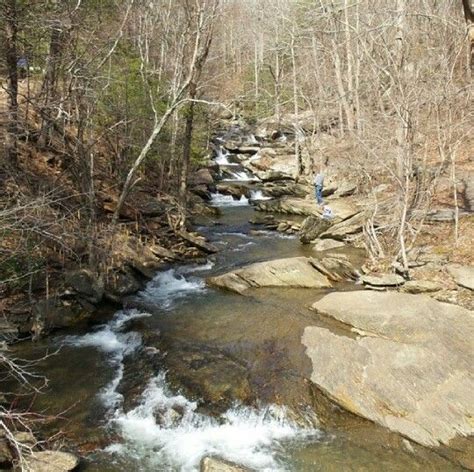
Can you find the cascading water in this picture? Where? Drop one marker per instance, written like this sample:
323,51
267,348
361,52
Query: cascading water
170,434
165,432
258,195
218,199
222,158
241,176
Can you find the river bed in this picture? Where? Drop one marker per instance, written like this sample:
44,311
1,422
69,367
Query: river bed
249,346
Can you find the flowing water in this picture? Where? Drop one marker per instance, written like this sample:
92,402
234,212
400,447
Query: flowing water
247,349
166,430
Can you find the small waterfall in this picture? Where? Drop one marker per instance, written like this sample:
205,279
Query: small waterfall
167,433
252,140
222,158
241,176
258,195
116,344
168,287
220,200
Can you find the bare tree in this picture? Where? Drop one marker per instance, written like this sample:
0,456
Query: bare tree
10,19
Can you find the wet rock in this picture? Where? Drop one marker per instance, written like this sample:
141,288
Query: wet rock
462,275
327,244
52,461
409,369
54,313
209,375
120,283
312,227
86,284
292,272
202,177
263,220
245,149
139,257
383,280
197,241
202,191
234,189
214,464
421,286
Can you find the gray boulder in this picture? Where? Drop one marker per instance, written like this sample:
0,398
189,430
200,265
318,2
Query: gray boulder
52,461
216,464
462,275
421,286
202,177
120,283
312,227
410,368
383,280
327,244
297,272
86,284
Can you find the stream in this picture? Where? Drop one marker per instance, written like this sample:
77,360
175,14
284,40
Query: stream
211,341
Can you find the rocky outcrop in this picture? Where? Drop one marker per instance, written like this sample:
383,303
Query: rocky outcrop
462,275
55,313
409,369
312,227
197,241
293,272
215,464
86,285
52,461
342,210
202,177
382,280
120,283
327,244
343,229
421,286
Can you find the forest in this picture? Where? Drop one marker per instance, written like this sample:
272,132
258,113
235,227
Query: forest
133,133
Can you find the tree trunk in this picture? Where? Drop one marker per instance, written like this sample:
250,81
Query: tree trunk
188,136
49,86
11,30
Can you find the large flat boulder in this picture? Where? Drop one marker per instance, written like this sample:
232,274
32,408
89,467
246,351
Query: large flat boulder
215,464
462,275
409,369
342,229
296,272
341,209
52,461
